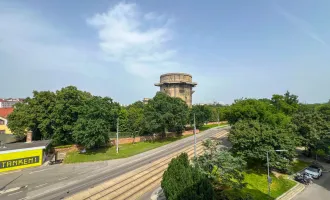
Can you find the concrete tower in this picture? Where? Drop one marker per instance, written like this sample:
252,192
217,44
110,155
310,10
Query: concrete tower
177,85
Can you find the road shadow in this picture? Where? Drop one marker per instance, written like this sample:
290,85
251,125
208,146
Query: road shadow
4,187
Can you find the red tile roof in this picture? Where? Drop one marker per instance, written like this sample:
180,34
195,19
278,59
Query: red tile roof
4,112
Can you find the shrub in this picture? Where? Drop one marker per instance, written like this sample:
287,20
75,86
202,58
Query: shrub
183,181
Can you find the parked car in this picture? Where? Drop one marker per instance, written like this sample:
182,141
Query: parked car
314,171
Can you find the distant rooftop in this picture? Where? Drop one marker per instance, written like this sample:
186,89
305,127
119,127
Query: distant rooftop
4,112
40,144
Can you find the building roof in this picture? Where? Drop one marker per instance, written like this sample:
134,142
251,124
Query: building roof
179,73
193,84
22,146
4,112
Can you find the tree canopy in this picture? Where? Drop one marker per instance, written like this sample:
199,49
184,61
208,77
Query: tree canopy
253,139
183,181
202,114
166,113
221,166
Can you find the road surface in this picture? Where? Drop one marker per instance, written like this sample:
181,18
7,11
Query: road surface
319,190
59,181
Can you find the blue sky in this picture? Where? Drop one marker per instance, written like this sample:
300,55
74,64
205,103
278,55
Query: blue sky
233,48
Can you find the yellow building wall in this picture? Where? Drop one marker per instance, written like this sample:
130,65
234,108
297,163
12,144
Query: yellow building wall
20,160
5,127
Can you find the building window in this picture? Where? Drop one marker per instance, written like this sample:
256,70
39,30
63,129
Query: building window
2,122
2,132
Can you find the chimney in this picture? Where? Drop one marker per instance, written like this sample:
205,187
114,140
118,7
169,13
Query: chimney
29,137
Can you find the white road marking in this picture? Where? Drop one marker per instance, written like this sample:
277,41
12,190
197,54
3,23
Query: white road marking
41,185
14,193
81,185
23,198
40,170
63,178
9,190
10,172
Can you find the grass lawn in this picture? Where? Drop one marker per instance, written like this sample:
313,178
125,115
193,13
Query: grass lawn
205,127
257,180
299,165
257,185
125,150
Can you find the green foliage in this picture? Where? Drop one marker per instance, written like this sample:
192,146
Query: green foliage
136,120
94,122
221,166
312,129
298,165
324,109
183,181
34,114
260,110
67,116
69,101
166,113
123,120
287,103
202,115
252,139
235,194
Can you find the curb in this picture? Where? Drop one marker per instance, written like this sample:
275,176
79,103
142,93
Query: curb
292,192
158,194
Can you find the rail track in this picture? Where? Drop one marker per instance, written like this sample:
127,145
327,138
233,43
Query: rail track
135,183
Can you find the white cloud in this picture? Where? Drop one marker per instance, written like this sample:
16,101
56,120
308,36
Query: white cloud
136,40
29,41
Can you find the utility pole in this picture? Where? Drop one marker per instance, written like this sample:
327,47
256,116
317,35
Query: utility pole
194,136
219,117
117,134
268,177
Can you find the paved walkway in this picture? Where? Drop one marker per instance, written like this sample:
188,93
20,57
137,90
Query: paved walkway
319,190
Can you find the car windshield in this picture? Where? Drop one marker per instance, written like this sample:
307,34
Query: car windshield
312,169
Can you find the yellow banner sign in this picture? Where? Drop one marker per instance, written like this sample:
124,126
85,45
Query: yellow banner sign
19,162
20,159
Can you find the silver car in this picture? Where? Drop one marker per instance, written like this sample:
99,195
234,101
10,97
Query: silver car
314,172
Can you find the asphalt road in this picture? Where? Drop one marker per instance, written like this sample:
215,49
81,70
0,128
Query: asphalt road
59,181
319,190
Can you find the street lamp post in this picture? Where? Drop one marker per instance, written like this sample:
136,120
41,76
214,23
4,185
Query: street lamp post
117,135
194,136
269,180
219,117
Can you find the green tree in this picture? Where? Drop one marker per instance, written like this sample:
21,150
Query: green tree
287,103
260,110
311,129
34,114
123,120
20,120
166,113
324,109
183,181
202,115
252,140
69,101
93,125
221,166
136,120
